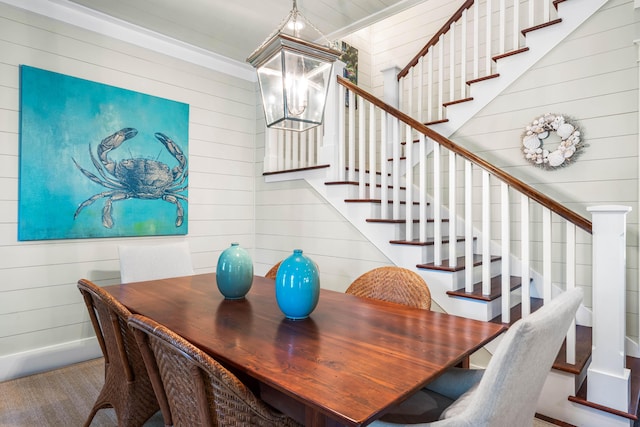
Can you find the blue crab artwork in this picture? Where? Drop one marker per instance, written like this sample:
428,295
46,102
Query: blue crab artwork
135,178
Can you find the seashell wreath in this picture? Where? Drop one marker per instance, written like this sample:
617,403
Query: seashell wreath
539,130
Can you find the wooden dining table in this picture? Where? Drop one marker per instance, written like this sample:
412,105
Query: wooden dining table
351,361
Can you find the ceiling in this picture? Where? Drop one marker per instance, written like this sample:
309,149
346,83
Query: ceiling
235,28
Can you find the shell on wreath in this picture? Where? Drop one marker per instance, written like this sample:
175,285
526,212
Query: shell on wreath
557,122
570,151
565,130
531,142
556,158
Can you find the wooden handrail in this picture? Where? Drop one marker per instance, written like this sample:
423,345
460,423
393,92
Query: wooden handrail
513,182
466,5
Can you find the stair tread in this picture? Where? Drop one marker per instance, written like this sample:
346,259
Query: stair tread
446,266
515,313
402,202
543,25
583,352
430,241
496,289
401,221
633,363
357,183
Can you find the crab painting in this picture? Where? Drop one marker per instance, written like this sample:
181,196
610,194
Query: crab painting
136,178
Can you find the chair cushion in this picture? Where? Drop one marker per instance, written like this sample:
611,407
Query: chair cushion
460,405
422,407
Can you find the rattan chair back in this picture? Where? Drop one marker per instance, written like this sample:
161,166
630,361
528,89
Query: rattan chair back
127,387
199,390
393,284
271,274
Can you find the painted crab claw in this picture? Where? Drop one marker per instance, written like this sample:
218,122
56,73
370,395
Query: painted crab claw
175,151
111,142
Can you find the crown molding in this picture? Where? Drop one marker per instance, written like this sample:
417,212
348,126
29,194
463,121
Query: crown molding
83,17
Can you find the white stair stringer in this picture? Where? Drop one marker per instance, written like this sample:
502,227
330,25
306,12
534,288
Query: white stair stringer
407,256
540,42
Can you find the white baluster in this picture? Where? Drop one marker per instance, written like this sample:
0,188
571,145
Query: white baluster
372,152
453,233
352,136
546,254
422,186
571,283
516,24
408,184
468,227
486,233
384,162
430,85
362,151
524,255
452,62
420,93
395,177
476,40
502,31
506,252
437,204
488,27
440,77
341,139
463,54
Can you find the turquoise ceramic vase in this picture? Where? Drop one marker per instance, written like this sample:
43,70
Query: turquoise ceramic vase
297,286
234,273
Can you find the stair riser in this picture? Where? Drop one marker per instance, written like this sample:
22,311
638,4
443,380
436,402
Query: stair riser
457,280
401,231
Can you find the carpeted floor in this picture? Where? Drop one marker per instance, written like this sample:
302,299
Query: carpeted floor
64,397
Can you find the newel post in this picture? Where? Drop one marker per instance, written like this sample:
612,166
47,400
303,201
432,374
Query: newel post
608,379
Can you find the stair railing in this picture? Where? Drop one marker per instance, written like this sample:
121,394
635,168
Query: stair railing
459,194
464,52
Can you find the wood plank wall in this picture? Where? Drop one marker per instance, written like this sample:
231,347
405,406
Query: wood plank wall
591,77
41,312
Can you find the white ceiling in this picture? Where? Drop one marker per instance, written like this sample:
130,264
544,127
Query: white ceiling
235,28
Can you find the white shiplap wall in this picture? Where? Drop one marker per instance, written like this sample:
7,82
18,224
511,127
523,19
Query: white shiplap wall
43,322
592,78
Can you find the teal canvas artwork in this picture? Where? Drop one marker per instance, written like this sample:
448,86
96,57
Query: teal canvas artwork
99,161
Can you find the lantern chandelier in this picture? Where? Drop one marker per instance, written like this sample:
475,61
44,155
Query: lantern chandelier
294,75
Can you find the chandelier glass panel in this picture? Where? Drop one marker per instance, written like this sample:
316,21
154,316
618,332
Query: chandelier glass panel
294,77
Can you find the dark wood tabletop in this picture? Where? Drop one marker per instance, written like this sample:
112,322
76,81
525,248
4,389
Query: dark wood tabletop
347,364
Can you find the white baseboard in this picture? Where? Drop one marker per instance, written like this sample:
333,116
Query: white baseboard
47,358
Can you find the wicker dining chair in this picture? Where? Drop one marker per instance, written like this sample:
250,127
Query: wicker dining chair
127,387
393,284
199,390
271,274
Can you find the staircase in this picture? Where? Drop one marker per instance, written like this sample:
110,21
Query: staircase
431,205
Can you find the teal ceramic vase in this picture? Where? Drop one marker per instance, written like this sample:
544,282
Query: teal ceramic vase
297,286
234,272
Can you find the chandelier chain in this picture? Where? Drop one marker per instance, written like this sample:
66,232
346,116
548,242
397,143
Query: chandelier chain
293,16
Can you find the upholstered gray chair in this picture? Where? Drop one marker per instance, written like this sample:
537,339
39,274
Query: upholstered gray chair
506,393
154,261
